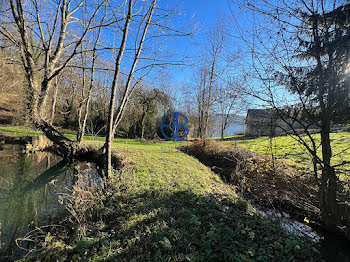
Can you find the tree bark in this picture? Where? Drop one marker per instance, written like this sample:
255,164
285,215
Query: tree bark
110,134
328,187
40,72
54,102
143,125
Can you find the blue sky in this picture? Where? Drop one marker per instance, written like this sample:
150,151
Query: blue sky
201,14
205,11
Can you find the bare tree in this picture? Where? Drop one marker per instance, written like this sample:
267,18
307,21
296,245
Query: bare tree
300,56
47,47
85,104
212,67
230,104
54,100
53,36
110,133
146,57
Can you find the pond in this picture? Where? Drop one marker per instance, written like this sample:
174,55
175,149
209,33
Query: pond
30,186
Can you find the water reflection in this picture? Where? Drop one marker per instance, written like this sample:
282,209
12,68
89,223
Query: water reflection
29,187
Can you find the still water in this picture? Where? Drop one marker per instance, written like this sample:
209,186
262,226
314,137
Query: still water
30,185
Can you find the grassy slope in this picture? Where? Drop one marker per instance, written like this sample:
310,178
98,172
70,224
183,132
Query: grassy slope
286,147
172,208
169,207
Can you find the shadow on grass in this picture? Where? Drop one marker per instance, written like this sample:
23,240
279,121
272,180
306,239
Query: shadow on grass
179,226
183,226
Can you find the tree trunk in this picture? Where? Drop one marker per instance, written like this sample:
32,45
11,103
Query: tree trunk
110,134
126,95
222,132
40,71
54,103
328,187
143,125
81,107
206,125
83,126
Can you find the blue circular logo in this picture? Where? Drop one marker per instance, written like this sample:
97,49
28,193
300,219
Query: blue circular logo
174,125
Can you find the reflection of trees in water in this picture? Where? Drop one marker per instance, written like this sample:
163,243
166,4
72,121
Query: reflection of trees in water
29,198
17,166
16,206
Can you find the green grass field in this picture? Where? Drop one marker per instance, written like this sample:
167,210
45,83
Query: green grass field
285,147
167,206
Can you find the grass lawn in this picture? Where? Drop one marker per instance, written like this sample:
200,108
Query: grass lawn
18,131
167,206
285,147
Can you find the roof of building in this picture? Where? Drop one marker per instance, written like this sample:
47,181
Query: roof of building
260,114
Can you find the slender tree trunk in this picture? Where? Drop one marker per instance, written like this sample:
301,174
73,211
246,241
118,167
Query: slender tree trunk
83,126
200,119
222,131
206,125
87,105
110,134
127,94
81,106
202,114
143,125
54,102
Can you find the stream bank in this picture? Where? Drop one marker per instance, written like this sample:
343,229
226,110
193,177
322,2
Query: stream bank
160,210
276,190
35,185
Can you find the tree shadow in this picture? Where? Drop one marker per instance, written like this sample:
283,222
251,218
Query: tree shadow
183,226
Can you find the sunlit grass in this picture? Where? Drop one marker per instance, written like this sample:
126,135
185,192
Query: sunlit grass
18,131
285,147
290,150
171,207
